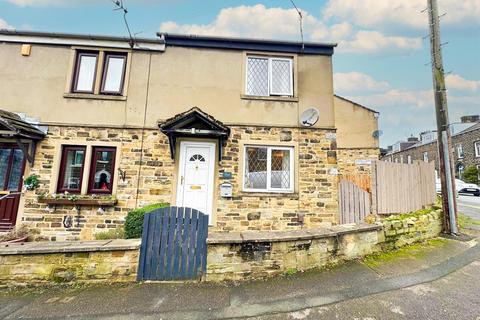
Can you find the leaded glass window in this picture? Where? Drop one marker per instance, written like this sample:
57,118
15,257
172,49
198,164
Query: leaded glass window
269,76
268,169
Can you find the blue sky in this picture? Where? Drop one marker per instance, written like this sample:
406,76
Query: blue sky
380,61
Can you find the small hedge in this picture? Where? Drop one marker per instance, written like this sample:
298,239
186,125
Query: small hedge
134,220
111,234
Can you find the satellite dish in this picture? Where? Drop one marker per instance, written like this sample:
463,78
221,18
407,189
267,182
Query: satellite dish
377,133
309,117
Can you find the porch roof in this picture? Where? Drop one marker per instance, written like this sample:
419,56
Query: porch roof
12,126
194,123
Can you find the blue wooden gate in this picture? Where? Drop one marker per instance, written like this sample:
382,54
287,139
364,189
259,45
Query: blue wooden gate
174,245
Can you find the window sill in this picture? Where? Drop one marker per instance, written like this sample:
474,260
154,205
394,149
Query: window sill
85,202
270,98
94,96
292,195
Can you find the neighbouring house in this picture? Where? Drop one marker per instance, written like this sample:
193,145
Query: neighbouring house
204,122
465,144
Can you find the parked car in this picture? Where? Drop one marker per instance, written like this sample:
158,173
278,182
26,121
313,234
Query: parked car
462,187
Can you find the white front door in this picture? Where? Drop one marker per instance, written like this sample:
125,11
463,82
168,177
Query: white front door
196,174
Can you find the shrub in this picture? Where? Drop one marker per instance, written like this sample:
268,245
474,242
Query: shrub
134,220
470,175
117,233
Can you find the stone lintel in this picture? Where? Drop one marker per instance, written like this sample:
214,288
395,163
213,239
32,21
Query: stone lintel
70,246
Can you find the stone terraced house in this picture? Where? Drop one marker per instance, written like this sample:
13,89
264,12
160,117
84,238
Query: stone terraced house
223,125
465,144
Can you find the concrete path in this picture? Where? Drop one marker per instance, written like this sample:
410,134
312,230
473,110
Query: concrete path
284,296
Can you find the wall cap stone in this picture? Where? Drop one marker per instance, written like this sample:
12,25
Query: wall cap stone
69,246
293,235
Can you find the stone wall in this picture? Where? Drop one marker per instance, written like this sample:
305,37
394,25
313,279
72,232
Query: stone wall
405,229
231,256
356,161
109,261
258,255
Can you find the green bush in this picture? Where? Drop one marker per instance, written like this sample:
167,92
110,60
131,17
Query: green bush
117,233
470,174
134,220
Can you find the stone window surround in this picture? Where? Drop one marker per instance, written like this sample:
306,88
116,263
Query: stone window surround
263,143
99,73
88,159
294,58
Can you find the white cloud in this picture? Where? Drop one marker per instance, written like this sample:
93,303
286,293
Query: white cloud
374,41
5,25
456,82
357,82
252,21
259,21
374,13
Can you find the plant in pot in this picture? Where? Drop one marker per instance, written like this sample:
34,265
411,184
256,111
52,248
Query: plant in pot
17,235
31,182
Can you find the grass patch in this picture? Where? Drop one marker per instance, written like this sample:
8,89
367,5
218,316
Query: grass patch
415,214
416,250
465,221
291,271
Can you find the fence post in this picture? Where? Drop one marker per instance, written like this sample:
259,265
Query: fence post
373,188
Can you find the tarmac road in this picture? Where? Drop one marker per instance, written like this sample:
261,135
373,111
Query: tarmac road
469,205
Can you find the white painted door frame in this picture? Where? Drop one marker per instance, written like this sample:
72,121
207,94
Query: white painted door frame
184,145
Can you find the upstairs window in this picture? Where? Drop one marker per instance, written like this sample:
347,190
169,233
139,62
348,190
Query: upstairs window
110,66
476,146
269,76
460,151
425,156
113,74
85,71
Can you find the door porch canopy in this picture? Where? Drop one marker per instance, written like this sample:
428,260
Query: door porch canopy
196,124
13,127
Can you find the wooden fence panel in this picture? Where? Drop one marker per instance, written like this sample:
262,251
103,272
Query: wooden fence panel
402,188
354,202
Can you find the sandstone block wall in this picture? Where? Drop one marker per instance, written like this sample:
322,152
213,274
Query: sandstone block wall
263,258
109,266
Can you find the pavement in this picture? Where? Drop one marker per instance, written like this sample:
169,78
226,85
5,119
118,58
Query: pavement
387,286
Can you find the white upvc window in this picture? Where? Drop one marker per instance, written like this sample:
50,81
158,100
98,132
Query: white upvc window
460,151
268,169
409,159
476,146
425,156
269,76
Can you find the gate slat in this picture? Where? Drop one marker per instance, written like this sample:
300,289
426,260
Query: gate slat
163,243
171,237
191,250
143,249
199,244
203,243
185,240
159,213
178,242
150,254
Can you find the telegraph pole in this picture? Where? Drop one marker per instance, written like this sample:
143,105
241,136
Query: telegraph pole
443,129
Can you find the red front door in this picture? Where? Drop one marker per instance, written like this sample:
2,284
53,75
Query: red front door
12,166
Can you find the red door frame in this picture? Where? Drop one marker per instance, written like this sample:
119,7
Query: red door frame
10,204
